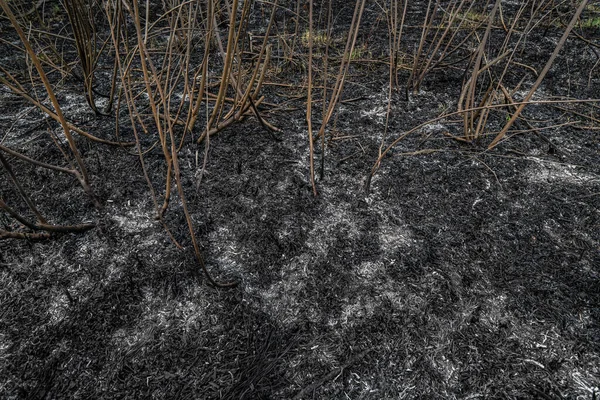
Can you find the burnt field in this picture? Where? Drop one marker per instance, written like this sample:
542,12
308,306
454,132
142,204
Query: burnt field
445,245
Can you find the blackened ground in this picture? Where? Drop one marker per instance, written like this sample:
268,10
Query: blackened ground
465,273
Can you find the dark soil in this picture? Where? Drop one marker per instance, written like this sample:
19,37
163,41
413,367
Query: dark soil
464,273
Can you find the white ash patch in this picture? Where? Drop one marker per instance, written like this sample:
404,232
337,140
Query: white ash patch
76,105
156,310
538,95
134,220
401,298
5,344
392,237
284,185
590,270
89,251
376,114
413,302
435,128
192,313
395,297
365,385
369,270
380,104
181,316
586,383
393,232
447,369
228,261
114,272
284,231
101,102
363,307
282,299
494,312
584,321
81,287
551,172
57,309
228,252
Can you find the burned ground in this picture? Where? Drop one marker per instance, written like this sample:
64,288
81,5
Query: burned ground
463,273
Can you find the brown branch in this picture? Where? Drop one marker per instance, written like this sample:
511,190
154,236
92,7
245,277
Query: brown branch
36,162
542,75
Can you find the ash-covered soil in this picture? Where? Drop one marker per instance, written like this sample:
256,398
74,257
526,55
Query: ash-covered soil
463,273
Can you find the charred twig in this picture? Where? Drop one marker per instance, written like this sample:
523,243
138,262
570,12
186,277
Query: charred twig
39,226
